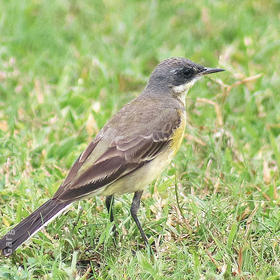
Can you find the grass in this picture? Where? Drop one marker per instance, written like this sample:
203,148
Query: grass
67,66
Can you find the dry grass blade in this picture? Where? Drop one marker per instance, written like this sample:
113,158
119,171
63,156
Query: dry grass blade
217,109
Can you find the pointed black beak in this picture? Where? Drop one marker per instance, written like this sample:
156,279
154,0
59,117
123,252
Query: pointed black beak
207,71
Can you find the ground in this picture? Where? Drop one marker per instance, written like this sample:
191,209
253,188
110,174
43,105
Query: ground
67,66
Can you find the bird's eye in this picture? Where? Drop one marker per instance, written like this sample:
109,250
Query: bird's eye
188,72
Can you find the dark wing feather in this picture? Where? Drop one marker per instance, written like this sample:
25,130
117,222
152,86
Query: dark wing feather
79,162
121,148
112,165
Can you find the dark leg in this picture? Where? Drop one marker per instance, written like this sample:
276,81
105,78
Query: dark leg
133,210
109,205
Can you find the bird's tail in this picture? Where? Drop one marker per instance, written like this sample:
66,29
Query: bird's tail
30,225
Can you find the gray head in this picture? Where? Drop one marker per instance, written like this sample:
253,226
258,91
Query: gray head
177,75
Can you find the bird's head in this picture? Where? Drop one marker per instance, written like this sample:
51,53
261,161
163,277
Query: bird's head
177,74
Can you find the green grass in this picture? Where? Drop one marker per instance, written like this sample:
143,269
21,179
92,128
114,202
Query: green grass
67,66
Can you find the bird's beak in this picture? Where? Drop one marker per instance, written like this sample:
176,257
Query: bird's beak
207,71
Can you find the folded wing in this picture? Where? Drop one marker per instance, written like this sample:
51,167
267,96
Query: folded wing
104,162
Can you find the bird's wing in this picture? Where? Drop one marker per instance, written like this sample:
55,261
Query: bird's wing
104,162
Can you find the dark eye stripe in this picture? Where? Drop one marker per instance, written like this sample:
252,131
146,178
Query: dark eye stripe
188,72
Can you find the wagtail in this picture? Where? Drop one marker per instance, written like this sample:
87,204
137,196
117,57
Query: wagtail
128,153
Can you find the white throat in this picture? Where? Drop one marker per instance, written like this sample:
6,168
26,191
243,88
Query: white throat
182,90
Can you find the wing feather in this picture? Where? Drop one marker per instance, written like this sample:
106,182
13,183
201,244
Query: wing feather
123,155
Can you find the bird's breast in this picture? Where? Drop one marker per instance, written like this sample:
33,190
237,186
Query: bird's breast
178,134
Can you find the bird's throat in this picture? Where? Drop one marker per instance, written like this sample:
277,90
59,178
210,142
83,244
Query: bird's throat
181,91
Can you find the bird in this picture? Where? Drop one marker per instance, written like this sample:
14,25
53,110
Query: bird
128,153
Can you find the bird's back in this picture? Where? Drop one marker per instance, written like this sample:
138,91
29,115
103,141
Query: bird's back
136,135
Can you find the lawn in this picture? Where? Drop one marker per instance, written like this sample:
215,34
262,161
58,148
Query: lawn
67,66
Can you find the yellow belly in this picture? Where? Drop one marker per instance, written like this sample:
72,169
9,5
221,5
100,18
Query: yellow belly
178,134
140,178
143,176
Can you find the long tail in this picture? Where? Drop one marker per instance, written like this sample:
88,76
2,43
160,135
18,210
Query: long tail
30,225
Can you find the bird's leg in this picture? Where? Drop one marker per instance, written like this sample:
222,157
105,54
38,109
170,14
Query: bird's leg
133,210
109,205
